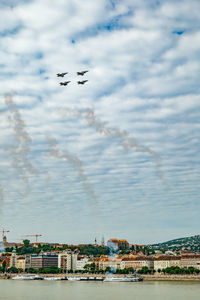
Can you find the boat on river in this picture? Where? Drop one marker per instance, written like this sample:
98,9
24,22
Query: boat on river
55,278
122,279
27,277
74,278
91,278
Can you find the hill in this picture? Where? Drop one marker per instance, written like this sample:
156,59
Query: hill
187,243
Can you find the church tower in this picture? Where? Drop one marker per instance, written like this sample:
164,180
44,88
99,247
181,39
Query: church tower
4,240
102,242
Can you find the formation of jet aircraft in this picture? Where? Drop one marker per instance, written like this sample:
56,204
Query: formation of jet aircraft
82,73
61,74
82,82
67,82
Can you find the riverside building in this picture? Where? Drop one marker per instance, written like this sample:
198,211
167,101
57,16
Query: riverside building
67,260
190,260
43,261
137,262
102,263
82,261
13,258
165,261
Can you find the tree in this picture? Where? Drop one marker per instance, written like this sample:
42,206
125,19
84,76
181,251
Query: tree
145,270
93,250
54,270
4,266
90,267
9,249
108,269
42,270
31,270
13,270
20,270
26,243
178,270
65,246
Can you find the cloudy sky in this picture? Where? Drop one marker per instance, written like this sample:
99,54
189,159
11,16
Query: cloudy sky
118,156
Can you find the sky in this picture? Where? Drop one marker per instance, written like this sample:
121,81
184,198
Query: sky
117,157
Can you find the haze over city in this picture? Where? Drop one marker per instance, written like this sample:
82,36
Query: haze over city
118,156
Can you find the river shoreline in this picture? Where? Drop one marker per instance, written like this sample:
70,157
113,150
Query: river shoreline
172,277
155,277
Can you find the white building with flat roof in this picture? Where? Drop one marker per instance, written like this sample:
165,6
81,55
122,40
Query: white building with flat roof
81,262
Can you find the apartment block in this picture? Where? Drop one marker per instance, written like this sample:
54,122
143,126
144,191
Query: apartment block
190,260
81,262
68,260
21,263
113,262
162,262
43,261
137,262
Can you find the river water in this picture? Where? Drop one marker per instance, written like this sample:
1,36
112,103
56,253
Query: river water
60,290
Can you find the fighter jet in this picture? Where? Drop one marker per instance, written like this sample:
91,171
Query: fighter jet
65,83
82,82
81,73
61,74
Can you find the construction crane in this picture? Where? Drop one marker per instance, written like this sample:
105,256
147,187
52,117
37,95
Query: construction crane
3,232
36,236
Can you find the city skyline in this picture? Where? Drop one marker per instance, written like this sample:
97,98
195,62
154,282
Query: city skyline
118,156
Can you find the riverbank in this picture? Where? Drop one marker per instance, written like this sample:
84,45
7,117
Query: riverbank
148,277
61,275
171,277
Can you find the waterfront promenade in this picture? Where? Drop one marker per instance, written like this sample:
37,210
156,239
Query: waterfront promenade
171,277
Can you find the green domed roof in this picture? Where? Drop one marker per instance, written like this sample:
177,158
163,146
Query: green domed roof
14,250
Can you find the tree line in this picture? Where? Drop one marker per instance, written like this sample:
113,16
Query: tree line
89,250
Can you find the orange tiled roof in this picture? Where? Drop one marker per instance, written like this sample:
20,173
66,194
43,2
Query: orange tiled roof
188,256
165,257
133,258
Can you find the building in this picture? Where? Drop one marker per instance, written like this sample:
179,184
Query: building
165,261
117,244
27,261
21,263
43,261
102,263
62,261
71,261
10,244
137,262
36,244
82,261
68,260
190,260
136,247
13,259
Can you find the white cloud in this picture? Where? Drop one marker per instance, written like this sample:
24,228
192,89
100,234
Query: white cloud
143,79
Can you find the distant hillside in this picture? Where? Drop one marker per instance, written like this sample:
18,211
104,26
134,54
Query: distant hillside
187,243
